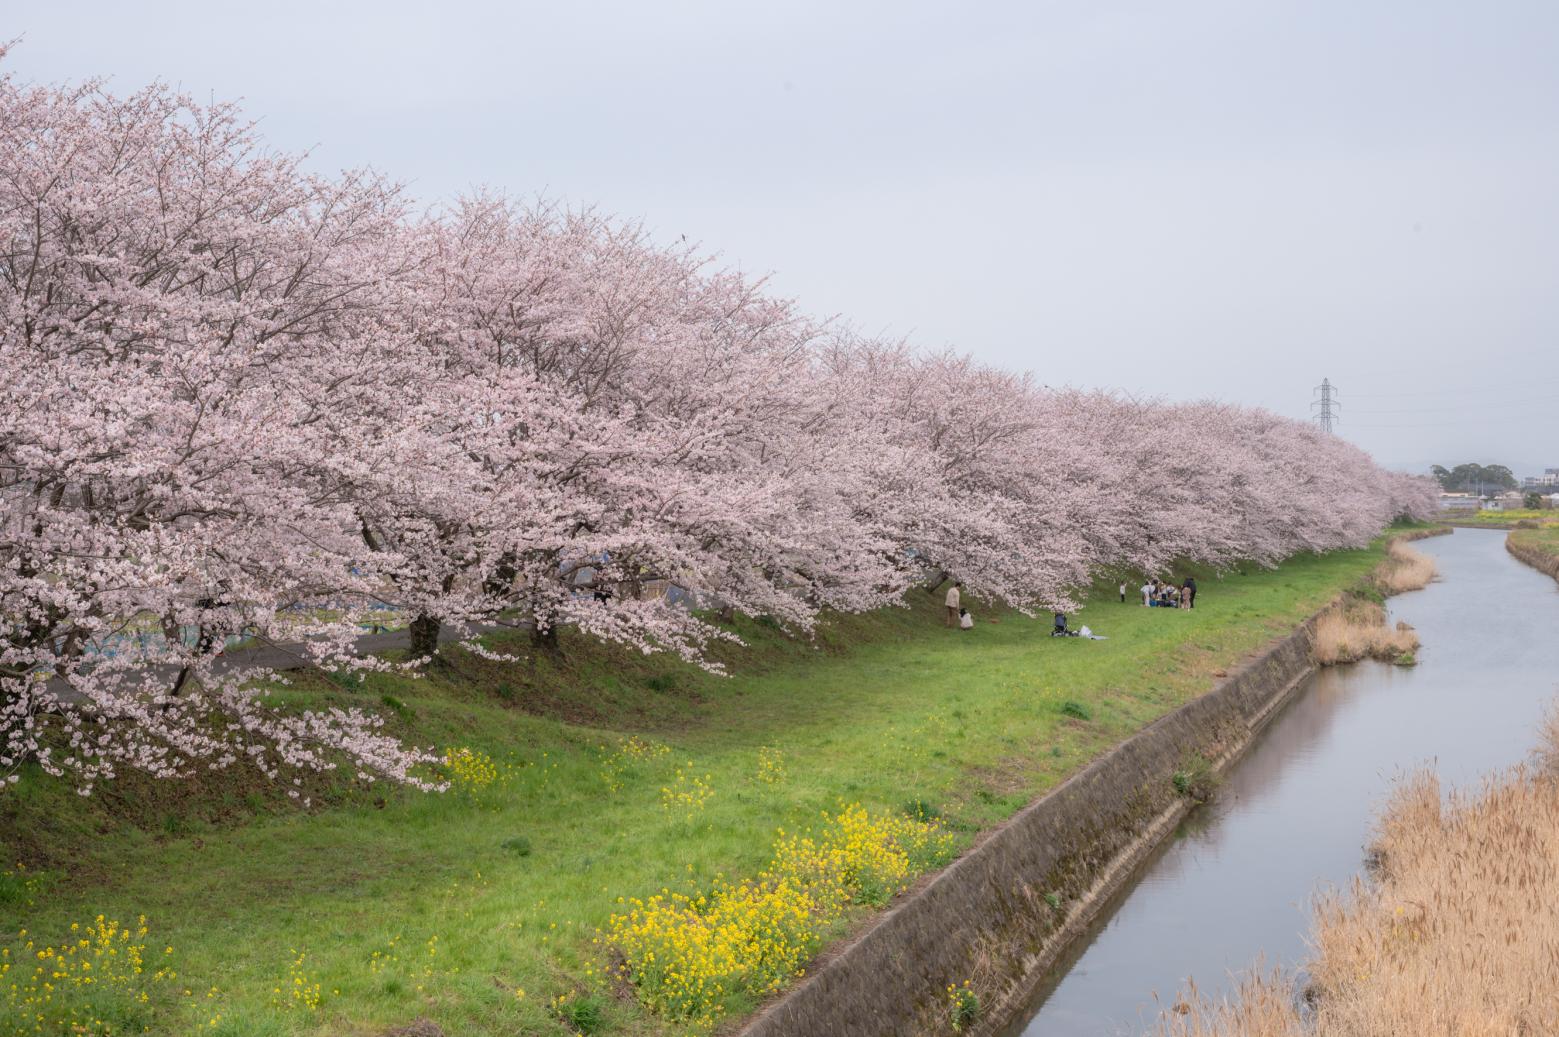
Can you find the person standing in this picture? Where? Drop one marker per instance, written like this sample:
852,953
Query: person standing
1123,592
953,601
1190,586
1147,595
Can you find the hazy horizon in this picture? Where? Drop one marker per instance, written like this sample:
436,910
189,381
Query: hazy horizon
1218,199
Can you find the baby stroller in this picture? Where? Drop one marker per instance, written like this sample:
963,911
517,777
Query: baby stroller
1060,630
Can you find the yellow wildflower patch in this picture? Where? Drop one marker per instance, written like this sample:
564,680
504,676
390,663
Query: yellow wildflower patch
470,770
963,1005
689,955
630,756
771,765
300,991
687,794
101,981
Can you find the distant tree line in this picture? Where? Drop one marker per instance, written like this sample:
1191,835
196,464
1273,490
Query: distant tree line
1474,478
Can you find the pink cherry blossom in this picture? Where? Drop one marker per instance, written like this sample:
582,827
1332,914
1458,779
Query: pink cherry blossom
240,401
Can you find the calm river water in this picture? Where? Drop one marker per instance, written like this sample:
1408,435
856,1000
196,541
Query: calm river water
1236,882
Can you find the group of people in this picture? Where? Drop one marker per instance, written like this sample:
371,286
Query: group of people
1156,593
1164,594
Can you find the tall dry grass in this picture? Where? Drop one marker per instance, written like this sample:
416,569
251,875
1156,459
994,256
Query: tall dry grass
1547,754
1404,569
1357,630
1458,934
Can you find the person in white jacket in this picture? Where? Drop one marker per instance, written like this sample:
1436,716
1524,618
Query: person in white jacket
954,599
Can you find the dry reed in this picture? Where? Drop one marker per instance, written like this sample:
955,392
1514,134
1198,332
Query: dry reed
1547,753
1458,933
1357,630
1404,569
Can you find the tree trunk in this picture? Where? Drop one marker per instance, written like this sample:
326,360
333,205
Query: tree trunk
545,639
424,637
936,581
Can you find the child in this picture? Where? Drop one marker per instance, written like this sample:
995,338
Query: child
965,620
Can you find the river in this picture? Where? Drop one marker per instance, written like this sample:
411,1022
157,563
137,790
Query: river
1235,884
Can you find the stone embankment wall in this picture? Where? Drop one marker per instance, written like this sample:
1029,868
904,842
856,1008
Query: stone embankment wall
1002,914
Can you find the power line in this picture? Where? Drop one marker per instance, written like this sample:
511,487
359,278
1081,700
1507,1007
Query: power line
1513,422
1524,383
1534,402
1328,404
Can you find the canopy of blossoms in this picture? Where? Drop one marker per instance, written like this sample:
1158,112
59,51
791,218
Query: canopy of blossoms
241,401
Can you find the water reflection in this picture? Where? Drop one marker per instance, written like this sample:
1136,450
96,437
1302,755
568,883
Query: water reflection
1235,884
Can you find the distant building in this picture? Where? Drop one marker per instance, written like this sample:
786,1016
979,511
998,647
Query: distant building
1459,502
1550,477
1510,501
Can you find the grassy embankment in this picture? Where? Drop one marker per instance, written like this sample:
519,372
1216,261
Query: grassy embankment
1538,548
1453,935
382,906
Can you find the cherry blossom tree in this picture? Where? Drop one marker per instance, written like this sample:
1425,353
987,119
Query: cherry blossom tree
599,416
959,476
241,401
164,285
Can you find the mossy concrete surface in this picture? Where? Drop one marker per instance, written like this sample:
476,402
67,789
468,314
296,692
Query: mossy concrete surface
989,916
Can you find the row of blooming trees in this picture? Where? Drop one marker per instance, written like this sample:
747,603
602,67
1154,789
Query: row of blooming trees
240,401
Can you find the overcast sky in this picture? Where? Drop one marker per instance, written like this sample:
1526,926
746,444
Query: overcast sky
1227,198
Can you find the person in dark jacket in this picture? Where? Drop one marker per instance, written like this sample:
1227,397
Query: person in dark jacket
1190,589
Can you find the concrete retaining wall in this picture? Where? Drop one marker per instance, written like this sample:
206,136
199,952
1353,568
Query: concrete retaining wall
986,917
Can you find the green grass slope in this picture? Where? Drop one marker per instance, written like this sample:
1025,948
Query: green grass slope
404,905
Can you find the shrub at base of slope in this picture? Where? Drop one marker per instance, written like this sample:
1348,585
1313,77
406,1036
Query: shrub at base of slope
1455,935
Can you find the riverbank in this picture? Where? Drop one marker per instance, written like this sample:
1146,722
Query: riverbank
1232,890
606,777
1453,933
1538,548
1036,883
